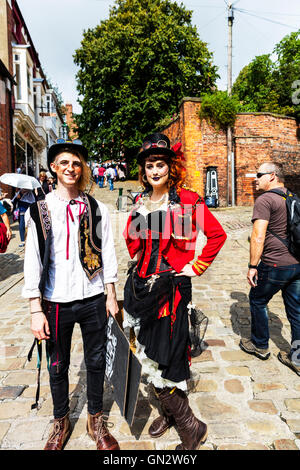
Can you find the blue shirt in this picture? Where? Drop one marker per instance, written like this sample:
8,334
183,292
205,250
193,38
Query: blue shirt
2,208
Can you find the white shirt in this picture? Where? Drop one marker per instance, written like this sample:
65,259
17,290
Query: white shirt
67,280
110,172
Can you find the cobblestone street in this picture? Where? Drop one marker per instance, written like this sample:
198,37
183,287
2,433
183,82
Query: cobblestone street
247,403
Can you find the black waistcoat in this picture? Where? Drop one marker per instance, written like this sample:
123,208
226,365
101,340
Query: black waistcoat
89,237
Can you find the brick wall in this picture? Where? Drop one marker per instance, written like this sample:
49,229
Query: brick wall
263,137
6,104
70,122
258,137
6,165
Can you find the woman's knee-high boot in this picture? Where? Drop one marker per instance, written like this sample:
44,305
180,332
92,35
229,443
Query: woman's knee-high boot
161,424
191,430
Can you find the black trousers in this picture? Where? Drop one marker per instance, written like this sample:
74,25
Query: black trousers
90,314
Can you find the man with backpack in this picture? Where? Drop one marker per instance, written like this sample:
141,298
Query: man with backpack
274,264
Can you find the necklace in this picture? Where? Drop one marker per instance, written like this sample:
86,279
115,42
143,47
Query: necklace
154,205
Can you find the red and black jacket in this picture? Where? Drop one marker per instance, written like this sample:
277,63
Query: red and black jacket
186,216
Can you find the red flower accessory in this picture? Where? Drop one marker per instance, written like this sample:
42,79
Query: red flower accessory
176,148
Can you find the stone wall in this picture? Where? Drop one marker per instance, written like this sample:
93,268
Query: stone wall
257,137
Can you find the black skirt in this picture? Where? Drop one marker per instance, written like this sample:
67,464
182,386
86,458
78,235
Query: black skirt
163,316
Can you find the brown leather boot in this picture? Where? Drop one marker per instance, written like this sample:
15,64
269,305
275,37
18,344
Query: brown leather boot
97,430
161,424
191,430
60,433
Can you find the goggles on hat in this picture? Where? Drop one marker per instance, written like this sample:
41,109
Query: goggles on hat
148,145
65,141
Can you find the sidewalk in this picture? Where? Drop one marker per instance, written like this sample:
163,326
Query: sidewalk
247,403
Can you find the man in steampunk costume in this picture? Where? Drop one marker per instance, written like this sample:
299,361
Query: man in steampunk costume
69,262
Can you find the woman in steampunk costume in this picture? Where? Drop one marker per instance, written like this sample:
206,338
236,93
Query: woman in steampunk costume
162,231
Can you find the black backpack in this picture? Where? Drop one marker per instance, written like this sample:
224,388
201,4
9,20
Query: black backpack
292,242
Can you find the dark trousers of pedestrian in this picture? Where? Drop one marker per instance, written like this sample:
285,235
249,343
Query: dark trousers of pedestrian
90,314
270,281
101,181
22,226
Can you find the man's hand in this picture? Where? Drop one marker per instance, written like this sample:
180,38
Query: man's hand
39,326
252,277
111,300
111,306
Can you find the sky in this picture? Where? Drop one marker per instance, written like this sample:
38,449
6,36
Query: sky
57,27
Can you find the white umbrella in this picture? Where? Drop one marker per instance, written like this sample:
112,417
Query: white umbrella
18,180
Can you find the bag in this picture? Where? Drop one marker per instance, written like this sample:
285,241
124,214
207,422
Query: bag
3,238
197,328
16,215
292,242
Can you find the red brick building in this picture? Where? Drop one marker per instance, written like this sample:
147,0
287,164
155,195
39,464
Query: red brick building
70,121
6,120
30,114
257,138
7,160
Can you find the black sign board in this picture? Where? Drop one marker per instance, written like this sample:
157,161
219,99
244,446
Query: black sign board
123,370
134,378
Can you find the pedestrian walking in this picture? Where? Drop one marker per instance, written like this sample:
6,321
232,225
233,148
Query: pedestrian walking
96,173
41,192
162,231
121,174
52,184
69,261
21,202
272,268
110,177
5,230
101,172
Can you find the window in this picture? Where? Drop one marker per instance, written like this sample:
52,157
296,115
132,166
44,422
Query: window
18,80
29,79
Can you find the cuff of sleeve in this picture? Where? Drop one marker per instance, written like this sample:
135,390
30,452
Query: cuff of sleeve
111,280
199,267
30,293
197,270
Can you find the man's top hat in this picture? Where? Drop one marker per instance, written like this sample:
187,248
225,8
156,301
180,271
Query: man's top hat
155,144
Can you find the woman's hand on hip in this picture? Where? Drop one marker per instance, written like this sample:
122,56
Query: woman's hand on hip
187,270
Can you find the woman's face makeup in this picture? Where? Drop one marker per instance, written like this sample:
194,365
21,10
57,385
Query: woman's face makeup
157,172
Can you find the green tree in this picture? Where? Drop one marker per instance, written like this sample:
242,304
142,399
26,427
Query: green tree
268,84
219,109
135,67
287,72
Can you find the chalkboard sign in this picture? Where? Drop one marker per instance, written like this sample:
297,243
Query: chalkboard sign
123,370
133,383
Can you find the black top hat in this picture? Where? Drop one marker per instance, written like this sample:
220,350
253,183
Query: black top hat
61,145
155,144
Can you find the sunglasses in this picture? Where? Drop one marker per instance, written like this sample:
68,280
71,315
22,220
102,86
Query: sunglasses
149,145
65,141
259,175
